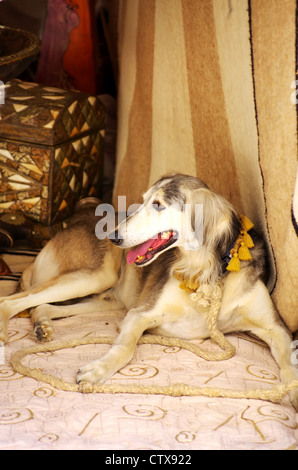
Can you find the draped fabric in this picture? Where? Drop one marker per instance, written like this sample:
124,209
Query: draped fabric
206,89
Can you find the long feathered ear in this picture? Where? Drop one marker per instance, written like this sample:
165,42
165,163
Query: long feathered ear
220,229
221,223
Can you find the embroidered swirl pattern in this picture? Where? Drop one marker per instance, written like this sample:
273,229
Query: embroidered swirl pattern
15,416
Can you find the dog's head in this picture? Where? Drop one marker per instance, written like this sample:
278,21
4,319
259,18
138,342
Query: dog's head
178,211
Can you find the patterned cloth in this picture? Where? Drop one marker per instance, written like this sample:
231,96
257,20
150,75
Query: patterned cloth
34,415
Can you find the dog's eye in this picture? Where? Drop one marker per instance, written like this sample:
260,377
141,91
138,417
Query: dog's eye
158,206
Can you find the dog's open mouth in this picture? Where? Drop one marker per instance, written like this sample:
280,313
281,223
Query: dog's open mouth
147,250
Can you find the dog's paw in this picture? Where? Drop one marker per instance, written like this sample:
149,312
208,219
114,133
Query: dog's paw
288,374
43,331
95,373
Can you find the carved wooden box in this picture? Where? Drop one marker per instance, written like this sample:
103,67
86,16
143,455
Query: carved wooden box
51,150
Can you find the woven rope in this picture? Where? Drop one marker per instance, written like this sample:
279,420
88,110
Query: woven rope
176,390
204,296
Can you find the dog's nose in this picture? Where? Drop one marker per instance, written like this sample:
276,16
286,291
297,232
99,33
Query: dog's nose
114,237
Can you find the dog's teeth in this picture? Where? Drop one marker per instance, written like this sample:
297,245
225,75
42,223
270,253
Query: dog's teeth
140,258
165,235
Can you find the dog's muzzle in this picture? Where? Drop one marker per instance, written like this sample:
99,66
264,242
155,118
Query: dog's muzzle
114,237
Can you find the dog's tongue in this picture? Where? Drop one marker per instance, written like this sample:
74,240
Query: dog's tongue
139,251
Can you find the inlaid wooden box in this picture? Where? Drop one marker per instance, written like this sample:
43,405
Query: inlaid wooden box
51,150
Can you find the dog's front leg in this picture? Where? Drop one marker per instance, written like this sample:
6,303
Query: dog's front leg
122,351
262,320
280,343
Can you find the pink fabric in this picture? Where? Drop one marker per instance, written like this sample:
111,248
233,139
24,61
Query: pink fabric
34,415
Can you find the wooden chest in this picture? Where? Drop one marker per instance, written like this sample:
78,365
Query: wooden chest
51,150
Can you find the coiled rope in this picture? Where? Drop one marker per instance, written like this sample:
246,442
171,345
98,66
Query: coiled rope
206,295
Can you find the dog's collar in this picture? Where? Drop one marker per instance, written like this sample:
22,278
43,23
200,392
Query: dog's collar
238,251
187,283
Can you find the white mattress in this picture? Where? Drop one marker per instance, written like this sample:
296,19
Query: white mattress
35,415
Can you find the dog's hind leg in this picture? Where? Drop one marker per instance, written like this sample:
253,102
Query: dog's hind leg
26,279
43,315
67,286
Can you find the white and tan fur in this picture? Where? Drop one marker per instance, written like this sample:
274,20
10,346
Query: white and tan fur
76,264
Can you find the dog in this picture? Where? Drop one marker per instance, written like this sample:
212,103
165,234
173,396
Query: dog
143,266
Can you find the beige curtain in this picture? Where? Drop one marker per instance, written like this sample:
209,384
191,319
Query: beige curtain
205,89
